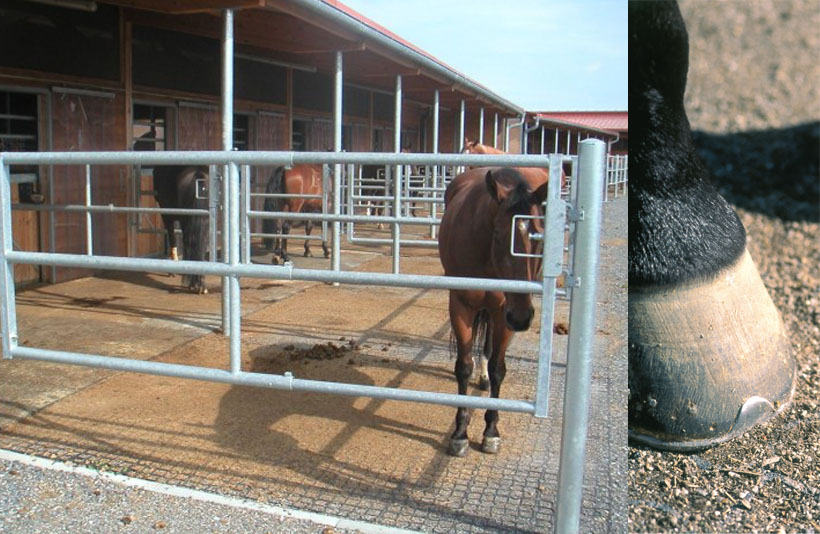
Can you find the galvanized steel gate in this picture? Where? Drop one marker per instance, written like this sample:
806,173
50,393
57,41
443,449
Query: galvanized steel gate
583,214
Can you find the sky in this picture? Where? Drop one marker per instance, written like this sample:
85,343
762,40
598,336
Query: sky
543,55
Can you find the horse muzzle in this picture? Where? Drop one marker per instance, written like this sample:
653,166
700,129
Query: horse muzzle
519,320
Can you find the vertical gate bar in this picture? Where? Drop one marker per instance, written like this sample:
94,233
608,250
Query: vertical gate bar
335,258
351,209
9,318
213,204
245,191
592,168
235,313
89,236
461,118
552,260
481,125
52,215
397,180
227,144
573,201
434,206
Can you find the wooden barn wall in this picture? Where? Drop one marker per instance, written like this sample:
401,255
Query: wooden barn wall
360,141
199,128
271,134
85,123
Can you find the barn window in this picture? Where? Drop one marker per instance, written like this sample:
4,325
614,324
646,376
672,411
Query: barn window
150,127
18,133
58,40
241,132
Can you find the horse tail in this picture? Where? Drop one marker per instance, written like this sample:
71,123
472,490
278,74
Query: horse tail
481,336
194,228
276,184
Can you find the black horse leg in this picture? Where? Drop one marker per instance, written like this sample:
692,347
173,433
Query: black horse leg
461,319
308,229
284,241
497,368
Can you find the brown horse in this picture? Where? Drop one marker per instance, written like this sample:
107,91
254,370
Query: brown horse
305,179
474,241
474,147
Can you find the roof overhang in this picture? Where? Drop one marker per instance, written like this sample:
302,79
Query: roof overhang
309,32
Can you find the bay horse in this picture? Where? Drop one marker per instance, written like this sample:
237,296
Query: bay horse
179,186
708,353
304,179
474,241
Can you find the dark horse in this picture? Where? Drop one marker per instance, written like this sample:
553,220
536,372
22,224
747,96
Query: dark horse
177,186
475,242
303,179
708,353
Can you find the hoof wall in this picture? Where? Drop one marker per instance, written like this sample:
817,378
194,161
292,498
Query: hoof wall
458,447
484,384
491,445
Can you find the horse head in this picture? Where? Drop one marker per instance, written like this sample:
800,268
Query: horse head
469,146
514,197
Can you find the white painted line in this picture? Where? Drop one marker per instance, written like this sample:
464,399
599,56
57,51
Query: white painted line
186,493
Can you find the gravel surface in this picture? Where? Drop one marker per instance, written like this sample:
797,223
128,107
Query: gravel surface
753,100
40,500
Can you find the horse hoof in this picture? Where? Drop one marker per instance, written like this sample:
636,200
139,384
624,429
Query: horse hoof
707,360
308,254
491,445
484,384
458,447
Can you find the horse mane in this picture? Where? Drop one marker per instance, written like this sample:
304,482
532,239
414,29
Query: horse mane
276,184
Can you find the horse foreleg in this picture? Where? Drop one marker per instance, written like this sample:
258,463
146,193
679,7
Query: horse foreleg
461,319
497,367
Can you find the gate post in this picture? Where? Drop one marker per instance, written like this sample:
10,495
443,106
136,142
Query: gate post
592,172
7,307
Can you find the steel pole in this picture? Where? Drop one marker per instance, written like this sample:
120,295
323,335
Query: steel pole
336,252
397,180
227,144
592,168
434,207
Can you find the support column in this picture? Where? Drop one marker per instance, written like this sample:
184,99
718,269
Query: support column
228,282
397,181
336,258
434,206
481,125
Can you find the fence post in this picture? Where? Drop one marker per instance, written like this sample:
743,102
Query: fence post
9,315
592,171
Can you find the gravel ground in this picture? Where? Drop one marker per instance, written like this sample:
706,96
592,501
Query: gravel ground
37,500
753,100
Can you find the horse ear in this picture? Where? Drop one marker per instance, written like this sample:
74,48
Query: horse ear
540,194
492,187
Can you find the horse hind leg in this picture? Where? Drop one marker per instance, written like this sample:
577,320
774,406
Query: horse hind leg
461,321
308,230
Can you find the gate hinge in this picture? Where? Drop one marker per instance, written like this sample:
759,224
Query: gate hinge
571,280
575,215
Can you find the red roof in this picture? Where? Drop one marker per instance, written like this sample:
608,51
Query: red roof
615,121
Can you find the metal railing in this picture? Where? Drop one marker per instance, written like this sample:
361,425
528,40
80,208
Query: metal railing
617,175
584,212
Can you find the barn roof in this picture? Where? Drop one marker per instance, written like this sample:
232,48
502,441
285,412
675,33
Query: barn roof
613,121
308,32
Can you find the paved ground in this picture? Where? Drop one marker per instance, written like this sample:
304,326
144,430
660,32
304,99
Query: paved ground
379,462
